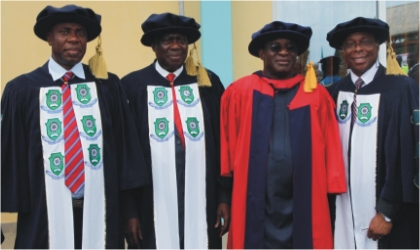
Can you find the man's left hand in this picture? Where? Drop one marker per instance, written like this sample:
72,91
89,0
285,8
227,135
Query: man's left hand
223,211
133,233
378,227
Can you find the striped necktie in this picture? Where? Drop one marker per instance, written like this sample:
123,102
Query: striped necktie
359,83
73,156
177,117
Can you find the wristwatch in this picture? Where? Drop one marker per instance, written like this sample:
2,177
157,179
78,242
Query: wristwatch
386,218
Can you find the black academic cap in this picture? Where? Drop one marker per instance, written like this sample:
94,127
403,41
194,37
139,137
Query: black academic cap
277,29
376,27
334,59
51,16
159,24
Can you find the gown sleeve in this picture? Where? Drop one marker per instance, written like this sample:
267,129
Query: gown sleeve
228,131
401,146
133,172
336,178
14,150
225,183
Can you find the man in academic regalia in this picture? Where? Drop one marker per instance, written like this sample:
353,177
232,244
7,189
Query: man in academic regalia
378,122
330,69
413,65
68,144
280,143
177,113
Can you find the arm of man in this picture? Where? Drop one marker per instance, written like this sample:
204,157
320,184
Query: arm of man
401,158
223,213
132,226
223,210
224,183
133,172
14,151
381,224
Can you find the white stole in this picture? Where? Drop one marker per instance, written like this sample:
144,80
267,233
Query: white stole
162,144
356,208
59,197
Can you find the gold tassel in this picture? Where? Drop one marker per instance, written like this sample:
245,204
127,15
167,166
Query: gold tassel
310,79
203,79
392,66
97,63
190,64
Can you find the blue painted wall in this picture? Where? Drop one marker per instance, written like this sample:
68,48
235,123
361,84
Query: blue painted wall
216,38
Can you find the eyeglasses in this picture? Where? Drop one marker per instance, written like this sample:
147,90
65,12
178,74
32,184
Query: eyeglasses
275,47
364,44
167,40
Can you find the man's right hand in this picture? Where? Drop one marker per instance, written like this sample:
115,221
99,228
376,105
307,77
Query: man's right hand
133,232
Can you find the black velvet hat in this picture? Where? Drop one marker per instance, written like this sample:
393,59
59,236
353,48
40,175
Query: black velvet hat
158,24
50,16
376,27
277,29
334,59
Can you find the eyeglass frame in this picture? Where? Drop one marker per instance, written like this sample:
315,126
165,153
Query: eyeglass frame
364,44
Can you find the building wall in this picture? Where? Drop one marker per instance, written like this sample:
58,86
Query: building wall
247,18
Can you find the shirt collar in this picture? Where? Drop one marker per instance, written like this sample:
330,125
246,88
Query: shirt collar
368,76
56,71
163,72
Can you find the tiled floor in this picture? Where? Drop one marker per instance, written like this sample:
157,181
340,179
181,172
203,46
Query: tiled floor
8,226
9,231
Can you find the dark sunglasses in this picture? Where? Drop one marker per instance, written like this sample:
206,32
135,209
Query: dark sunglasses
275,47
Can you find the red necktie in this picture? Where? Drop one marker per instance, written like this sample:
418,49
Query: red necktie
73,154
177,118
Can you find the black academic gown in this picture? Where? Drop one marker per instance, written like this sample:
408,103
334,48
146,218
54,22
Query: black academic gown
396,156
218,189
22,169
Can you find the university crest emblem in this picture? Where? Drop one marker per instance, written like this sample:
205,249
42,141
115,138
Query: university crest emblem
160,96
344,108
56,163
192,125
89,125
53,99
54,128
364,112
83,93
187,94
161,127
94,154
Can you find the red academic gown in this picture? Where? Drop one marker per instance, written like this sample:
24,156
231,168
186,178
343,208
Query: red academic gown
246,119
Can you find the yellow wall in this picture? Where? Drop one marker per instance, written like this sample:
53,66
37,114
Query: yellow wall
247,18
